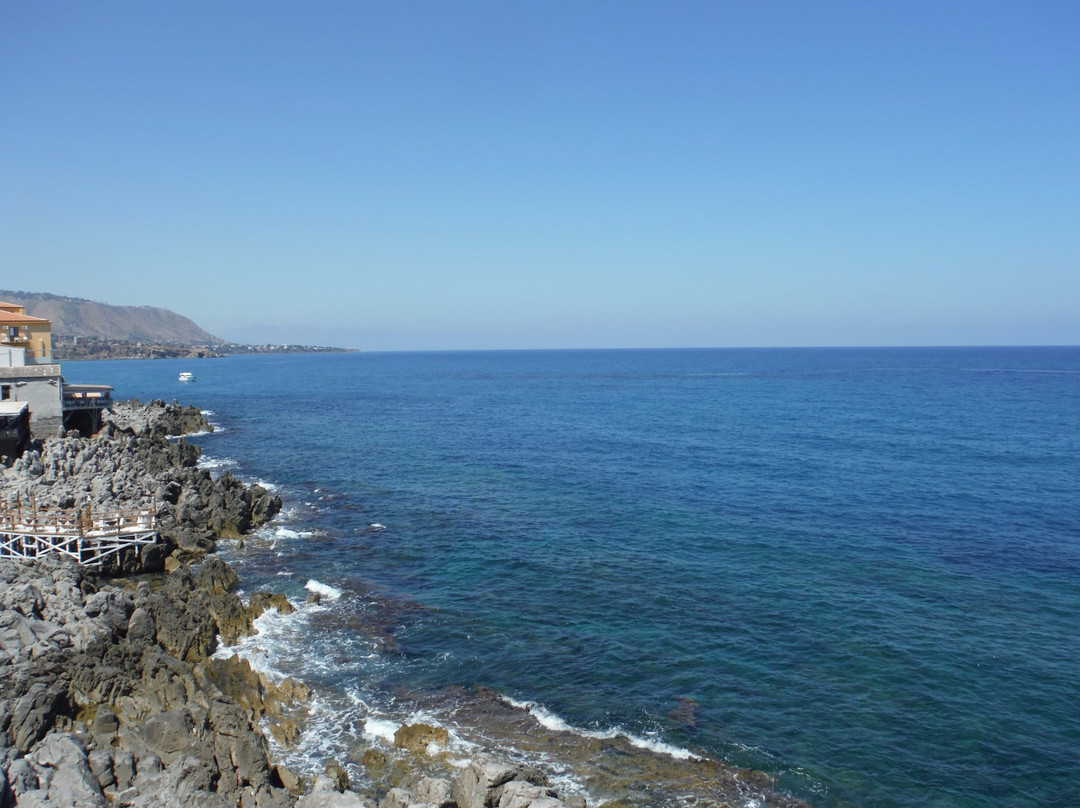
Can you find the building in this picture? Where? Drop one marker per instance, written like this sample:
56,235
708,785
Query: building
19,330
29,375
14,428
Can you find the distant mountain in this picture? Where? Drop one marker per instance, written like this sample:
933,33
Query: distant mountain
75,317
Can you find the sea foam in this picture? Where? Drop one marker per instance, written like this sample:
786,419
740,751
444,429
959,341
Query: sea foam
322,590
555,723
381,728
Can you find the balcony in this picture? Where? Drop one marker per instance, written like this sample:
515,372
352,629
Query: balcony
87,397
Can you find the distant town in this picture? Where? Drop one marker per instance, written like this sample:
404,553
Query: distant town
70,347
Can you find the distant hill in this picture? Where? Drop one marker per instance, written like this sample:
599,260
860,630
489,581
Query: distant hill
75,317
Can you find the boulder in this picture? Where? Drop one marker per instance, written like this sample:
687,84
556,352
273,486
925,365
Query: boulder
169,734
337,775
101,764
522,794
64,775
323,794
396,798
35,713
435,791
480,784
259,602
184,784
417,737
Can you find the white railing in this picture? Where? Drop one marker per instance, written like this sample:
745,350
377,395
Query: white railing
82,535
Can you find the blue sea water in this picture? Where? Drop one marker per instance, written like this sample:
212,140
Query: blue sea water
855,569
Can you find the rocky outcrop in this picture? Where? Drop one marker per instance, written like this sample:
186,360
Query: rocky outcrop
487,783
111,695
131,464
157,417
109,691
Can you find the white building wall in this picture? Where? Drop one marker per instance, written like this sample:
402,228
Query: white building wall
11,357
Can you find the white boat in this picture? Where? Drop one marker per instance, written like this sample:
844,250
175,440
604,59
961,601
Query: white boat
186,377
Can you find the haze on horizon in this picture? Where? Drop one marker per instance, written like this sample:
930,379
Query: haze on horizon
546,175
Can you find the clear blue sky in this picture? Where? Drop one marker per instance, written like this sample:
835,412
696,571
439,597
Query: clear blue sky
429,175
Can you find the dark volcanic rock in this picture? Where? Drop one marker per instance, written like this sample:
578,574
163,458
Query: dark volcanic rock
107,694
132,464
156,712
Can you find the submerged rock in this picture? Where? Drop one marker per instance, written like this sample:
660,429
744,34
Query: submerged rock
418,737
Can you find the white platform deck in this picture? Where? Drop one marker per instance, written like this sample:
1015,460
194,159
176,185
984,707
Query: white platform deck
87,537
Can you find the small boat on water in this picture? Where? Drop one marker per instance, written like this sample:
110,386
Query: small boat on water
186,377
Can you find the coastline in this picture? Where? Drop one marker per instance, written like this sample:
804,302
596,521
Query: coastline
160,632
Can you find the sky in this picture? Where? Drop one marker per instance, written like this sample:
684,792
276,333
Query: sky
590,174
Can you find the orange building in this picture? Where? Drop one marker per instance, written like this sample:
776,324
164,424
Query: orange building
19,330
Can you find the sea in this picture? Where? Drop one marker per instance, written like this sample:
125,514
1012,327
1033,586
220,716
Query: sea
854,570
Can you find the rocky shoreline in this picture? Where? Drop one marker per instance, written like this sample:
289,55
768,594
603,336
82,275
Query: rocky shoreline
111,693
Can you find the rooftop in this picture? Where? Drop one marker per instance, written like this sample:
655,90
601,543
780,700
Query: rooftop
14,317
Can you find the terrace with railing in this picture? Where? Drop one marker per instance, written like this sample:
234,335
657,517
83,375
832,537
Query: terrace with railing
89,538
87,396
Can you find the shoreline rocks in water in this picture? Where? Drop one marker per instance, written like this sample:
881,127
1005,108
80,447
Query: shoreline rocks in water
110,693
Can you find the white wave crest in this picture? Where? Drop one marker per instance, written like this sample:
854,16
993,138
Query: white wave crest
555,723
216,463
281,532
262,648
322,590
661,747
381,728
198,434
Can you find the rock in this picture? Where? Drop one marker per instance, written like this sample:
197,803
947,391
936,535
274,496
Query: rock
259,602
104,726
141,628
417,737
435,791
324,795
64,774
337,774
101,764
217,577
479,785
286,730
294,690
396,798
123,768
34,714
21,777
169,734
184,784
289,779
521,794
